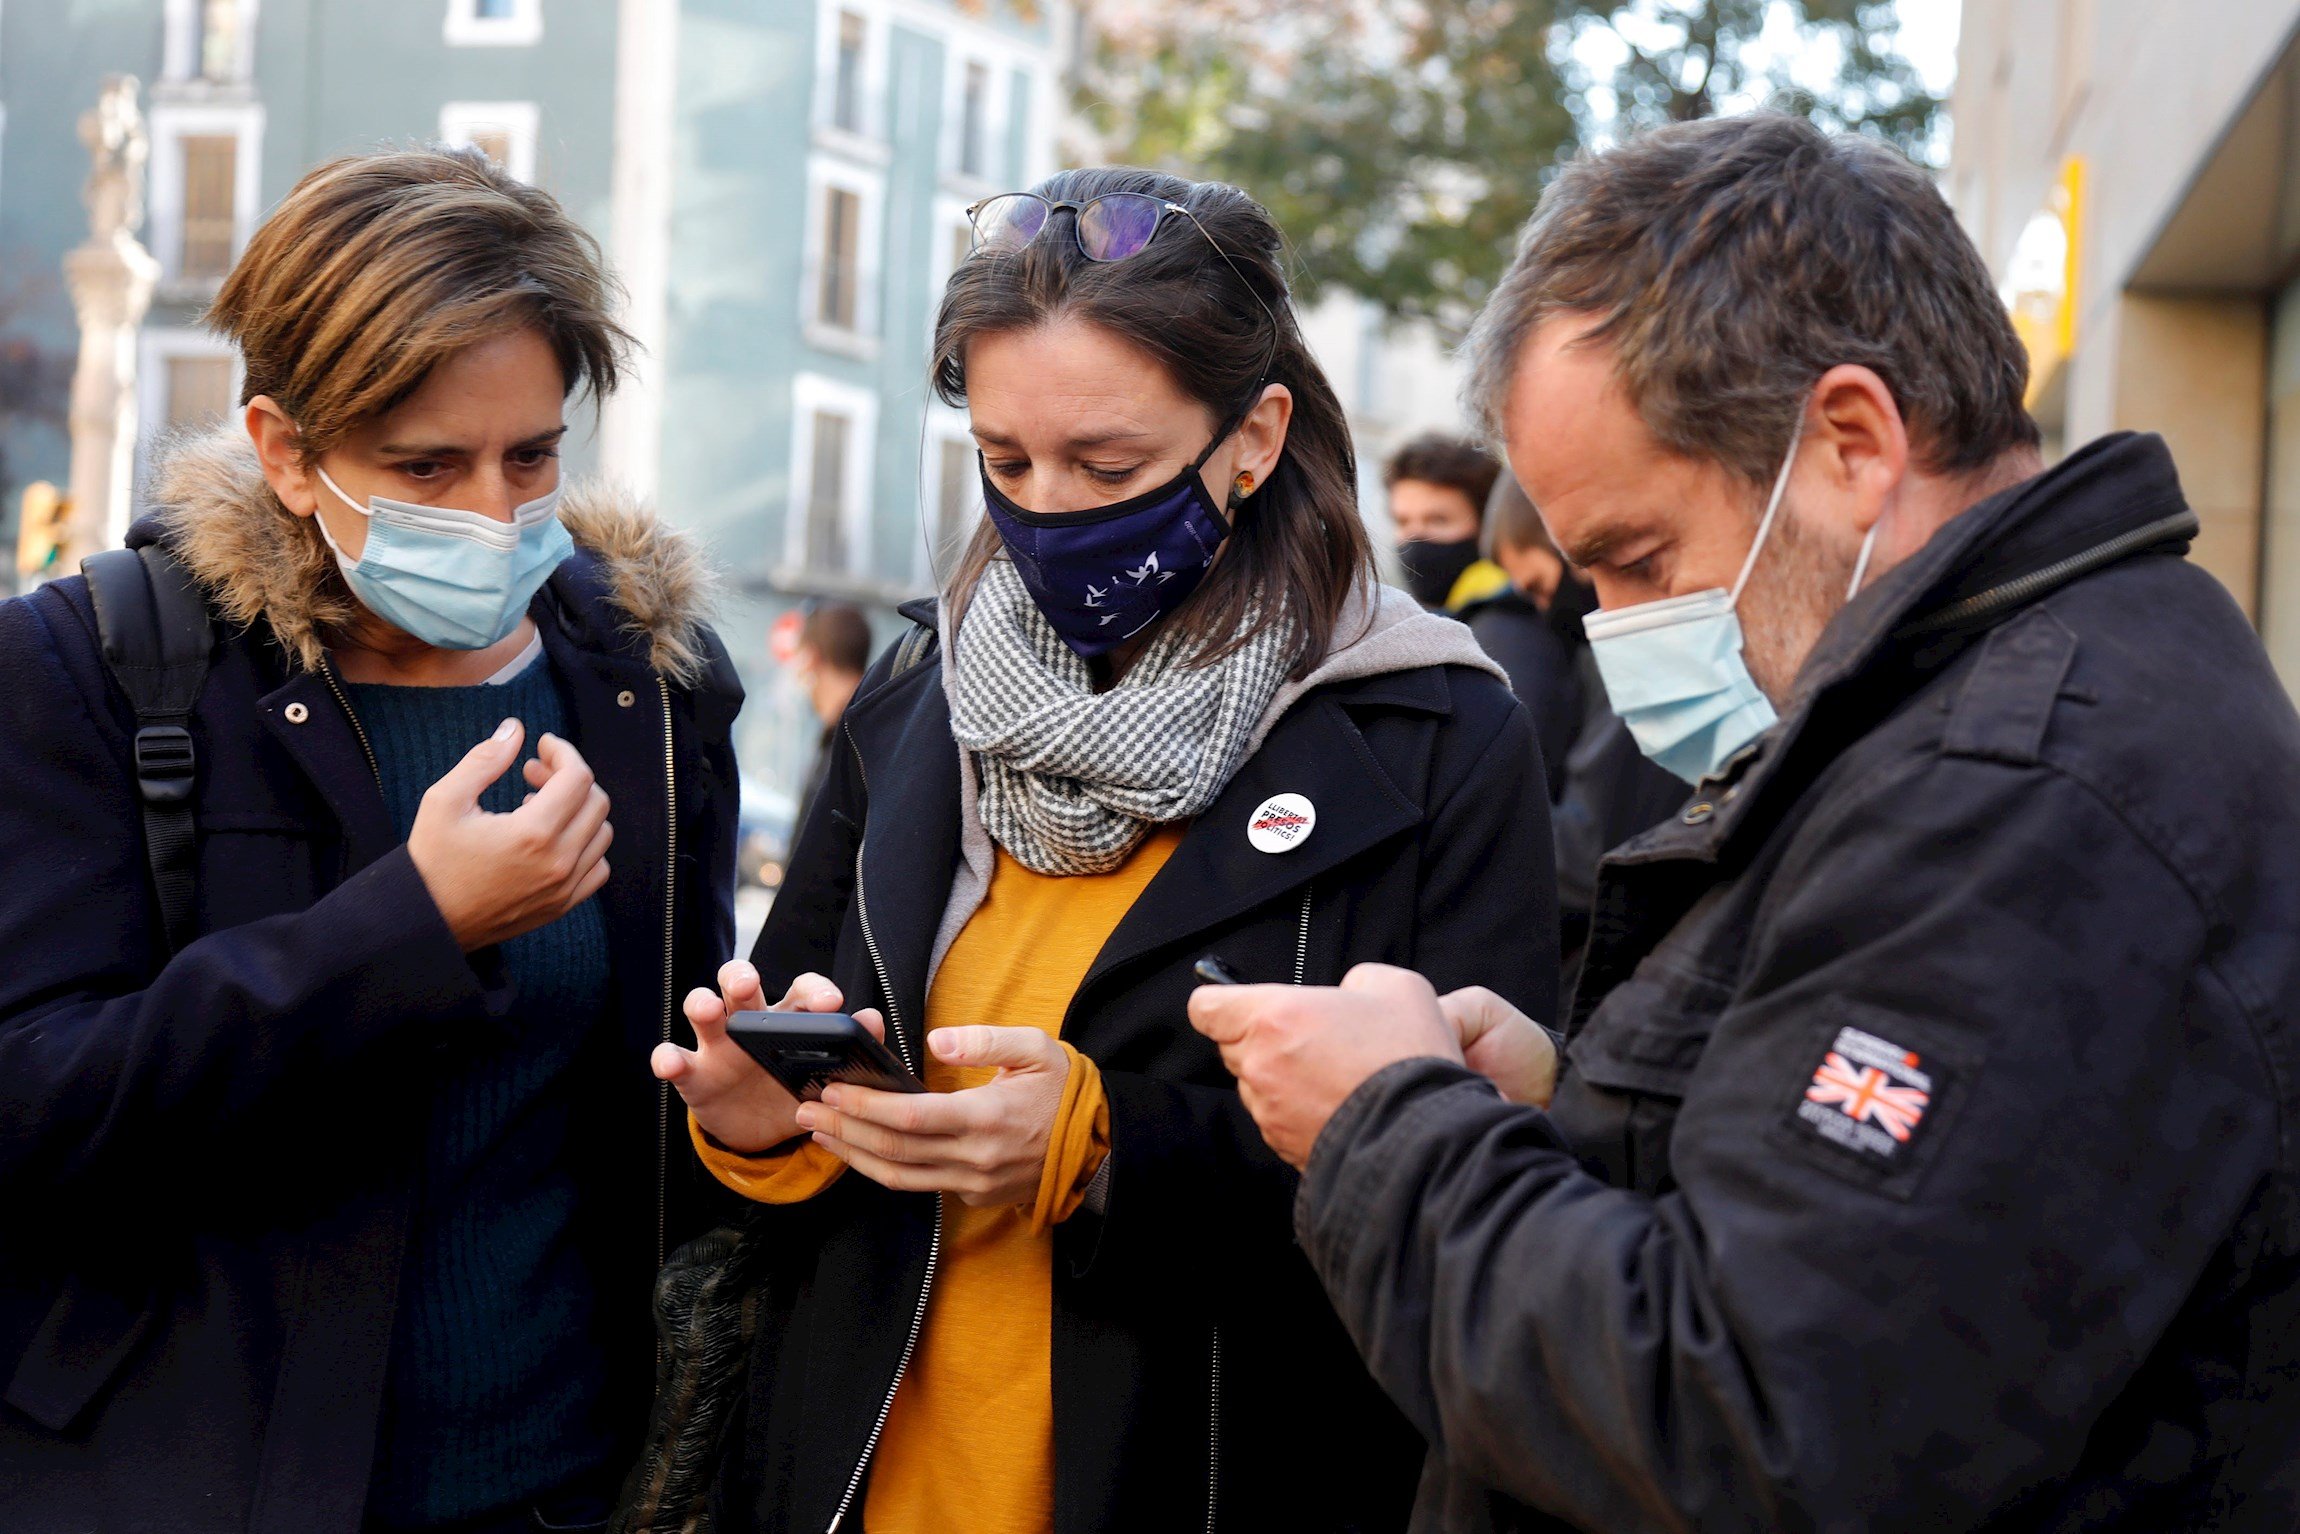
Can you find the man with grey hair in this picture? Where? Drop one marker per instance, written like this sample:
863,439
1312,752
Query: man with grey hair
1922,1146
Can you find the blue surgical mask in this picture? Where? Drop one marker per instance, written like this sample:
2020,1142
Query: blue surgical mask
459,580
1674,671
1104,575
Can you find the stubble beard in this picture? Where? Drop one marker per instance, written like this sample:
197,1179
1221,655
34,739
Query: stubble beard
1797,588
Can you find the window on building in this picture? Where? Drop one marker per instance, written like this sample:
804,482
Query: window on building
199,391
220,23
842,258
847,82
493,142
493,23
955,496
974,122
826,547
504,131
211,175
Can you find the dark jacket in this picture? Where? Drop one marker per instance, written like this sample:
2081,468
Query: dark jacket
207,1160
1193,1357
1925,1152
1512,629
1609,791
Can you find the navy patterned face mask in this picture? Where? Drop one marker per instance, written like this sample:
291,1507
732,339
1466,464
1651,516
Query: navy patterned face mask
1105,575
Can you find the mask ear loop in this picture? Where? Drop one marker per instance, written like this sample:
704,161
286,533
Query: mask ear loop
1861,565
1772,509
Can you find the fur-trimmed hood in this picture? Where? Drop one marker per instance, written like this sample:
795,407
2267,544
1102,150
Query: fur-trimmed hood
259,562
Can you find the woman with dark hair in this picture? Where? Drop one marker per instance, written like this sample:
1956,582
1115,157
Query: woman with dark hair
1162,712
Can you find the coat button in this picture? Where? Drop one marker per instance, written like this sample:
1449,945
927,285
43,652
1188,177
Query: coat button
626,698
296,713
1699,811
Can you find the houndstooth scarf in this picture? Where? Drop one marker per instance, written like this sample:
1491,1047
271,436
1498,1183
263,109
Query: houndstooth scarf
1070,780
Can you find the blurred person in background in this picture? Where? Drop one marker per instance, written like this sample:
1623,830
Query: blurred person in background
335,1178
1162,710
1515,627
833,652
1437,488
1603,790
1922,1151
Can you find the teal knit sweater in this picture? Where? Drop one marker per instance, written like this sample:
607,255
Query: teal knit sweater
496,1373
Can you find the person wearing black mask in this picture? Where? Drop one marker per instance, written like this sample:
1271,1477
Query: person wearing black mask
1162,711
1438,487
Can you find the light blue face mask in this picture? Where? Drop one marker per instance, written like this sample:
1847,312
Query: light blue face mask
1674,671
459,580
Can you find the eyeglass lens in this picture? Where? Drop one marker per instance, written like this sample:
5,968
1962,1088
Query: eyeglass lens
1114,227
1009,222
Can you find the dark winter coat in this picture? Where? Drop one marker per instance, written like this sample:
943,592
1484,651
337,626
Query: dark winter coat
1518,635
1199,1379
206,1161
1925,1155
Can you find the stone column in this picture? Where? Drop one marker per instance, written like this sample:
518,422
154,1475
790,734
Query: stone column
111,278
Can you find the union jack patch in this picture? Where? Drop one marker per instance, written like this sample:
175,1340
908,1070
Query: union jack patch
1868,1096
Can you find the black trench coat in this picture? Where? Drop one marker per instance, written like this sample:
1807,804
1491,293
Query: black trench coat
1193,1357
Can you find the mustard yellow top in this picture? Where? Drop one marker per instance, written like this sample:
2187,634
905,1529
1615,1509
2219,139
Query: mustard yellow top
969,1443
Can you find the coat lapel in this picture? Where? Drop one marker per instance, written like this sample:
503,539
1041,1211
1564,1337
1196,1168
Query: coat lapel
1316,751
901,734
623,743
910,846
304,716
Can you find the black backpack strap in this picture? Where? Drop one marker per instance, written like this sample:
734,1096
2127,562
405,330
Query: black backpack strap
152,625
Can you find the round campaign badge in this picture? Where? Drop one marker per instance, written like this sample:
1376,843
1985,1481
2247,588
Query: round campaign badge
1281,823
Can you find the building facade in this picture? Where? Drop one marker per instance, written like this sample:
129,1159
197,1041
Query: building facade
826,154
781,186
2131,170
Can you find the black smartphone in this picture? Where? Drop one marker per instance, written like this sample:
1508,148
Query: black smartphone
1214,972
807,1051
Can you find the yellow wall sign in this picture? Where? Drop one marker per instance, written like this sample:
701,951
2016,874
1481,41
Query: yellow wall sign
2041,284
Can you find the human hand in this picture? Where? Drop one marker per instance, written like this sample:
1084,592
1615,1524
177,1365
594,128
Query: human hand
731,1095
1503,1045
987,1144
496,876
1298,1051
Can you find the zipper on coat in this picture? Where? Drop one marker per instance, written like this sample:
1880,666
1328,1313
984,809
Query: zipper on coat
670,979
1214,1432
327,674
1214,1367
934,1243
1302,942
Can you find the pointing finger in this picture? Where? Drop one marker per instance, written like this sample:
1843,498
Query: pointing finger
707,1014
464,782
739,983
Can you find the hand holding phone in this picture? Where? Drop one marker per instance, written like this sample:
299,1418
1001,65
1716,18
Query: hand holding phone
807,1051
732,1096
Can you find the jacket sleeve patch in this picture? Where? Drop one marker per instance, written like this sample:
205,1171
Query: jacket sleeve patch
1869,1096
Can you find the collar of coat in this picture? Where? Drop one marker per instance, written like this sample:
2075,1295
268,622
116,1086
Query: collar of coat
2114,499
646,584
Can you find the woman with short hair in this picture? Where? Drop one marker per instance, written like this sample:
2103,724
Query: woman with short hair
1162,712
334,1177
